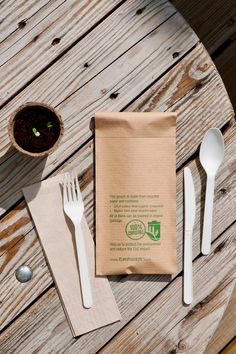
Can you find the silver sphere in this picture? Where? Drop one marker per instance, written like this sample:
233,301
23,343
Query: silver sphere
23,273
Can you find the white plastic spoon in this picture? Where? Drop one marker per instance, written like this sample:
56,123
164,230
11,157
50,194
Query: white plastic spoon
211,157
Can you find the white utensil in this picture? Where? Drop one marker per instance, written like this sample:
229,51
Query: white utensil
211,157
74,208
189,218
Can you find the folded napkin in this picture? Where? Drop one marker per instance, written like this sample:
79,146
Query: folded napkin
56,234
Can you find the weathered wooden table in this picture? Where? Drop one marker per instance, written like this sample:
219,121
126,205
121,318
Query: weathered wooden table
85,56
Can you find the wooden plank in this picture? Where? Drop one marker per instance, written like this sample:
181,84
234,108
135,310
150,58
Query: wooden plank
207,88
166,324
26,56
175,88
226,329
97,50
226,64
231,348
127,291
16,225
214,20
129,75
19,17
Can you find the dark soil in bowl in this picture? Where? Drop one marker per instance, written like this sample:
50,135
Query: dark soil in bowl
36,129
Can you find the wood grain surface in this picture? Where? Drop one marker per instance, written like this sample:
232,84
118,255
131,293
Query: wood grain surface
84,56
231,348
167,94
128,289
129,75
18,20
14,16
174,86
97,50
215,24
84,159
166,323
226,329
213,20
47,34
226,64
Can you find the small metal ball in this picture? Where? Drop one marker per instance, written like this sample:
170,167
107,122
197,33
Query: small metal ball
23,273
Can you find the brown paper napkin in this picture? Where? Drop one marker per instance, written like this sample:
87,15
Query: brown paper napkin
56,234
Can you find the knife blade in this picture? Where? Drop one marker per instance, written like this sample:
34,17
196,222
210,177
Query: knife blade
189,219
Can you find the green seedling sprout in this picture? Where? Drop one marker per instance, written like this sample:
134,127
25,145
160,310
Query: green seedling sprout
49,125
36,132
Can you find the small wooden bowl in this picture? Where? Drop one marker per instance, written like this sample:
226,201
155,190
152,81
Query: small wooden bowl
11,129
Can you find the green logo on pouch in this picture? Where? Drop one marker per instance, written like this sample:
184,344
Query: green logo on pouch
135,229
154,230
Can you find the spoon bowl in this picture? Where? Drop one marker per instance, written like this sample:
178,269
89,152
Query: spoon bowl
212,151
211,157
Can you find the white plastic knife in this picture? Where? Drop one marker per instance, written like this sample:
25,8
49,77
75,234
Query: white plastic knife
189,219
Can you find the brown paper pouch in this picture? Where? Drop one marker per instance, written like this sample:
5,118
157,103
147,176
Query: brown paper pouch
135,193
56,234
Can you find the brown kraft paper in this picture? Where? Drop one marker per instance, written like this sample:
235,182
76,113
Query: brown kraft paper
56,233
135,193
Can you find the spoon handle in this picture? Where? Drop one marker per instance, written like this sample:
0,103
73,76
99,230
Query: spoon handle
208,213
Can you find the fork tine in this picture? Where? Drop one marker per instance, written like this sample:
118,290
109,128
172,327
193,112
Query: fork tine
73,186
65,196
69,187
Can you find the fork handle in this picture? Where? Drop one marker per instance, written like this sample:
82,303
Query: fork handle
83,268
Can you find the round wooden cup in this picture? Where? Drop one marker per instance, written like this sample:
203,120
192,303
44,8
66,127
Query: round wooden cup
11,129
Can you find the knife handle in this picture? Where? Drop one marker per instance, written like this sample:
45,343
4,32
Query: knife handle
188,273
